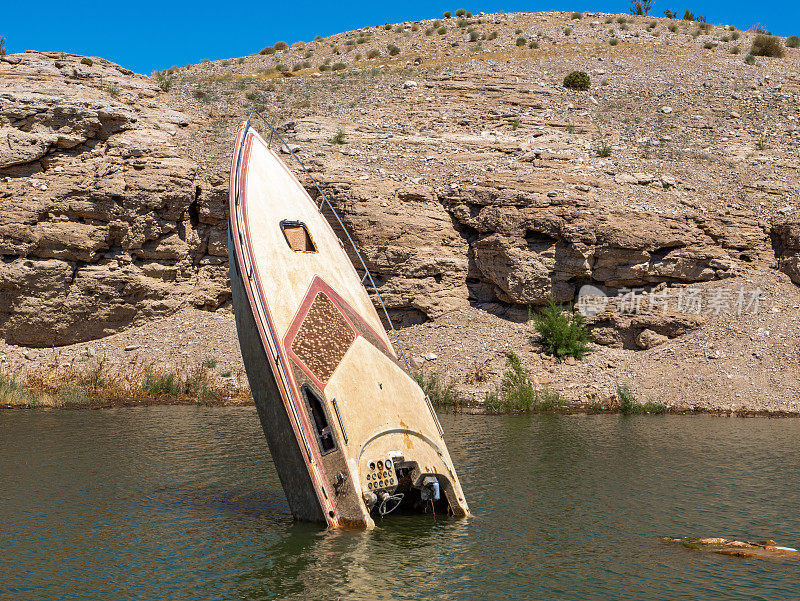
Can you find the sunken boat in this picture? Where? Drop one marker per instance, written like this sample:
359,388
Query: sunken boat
352,435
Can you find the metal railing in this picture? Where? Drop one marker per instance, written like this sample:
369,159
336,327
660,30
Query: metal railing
326,202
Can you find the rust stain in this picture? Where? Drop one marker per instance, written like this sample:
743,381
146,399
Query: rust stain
406,438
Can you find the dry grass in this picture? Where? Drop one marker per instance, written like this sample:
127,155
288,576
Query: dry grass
97,384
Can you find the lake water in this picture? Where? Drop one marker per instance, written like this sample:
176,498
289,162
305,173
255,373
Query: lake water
184,503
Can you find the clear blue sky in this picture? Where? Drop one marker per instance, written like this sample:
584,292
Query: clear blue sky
146,35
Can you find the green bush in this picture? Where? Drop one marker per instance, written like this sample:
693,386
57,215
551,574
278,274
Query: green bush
750,59
473,37
735,50
577,80
164,79
374,53
267,50
442,30
447,14
462,23
281,46
338,66
461,12
673,28
793,41
628,405
441,393
688,16
735,36
281,67
492,36
393,50
517,393
521,41
87,61
567,31
563,334
708,46
767,45
577,15
388,27
533,45
324,67
3,51
340,137
613,41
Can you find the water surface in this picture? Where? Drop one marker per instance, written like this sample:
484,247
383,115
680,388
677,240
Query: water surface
183,503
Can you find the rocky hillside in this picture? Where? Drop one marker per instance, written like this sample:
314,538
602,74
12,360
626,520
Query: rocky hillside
105,219
470,176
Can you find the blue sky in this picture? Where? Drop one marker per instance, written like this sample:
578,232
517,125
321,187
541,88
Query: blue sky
147,35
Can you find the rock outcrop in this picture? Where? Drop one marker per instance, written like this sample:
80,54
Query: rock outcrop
105,220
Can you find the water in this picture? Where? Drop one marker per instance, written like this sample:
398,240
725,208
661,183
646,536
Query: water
183,503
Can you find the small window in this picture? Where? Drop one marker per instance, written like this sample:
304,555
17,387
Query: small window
323,429
298,237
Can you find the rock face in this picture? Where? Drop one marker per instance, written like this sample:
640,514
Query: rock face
105,220
786,242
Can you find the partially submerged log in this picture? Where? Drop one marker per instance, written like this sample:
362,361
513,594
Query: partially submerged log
765,549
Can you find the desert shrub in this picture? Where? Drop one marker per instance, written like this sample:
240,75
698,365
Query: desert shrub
87,61
398,29
688,16
340,137
437,23
793,41
318,38
567,31
324,68
297,67
577,80
517,31
563,334
708,46
473,37
113,89
440,392
338,66
673,28
750,59
492,36
670,14
629,405
641,7
164,80
374,53
12,390
415,27
735,50
533,45
735,36
462,23
281,67
358,57
393,50
267,50
3,51
361,40
624,27
442,30
521,41
613,41
429,31
577,16
388,27
602,149
447,14
767,45
621,20
349,42
461,12
518,394
281,46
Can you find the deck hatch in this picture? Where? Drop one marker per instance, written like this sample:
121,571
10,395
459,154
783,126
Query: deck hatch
297,236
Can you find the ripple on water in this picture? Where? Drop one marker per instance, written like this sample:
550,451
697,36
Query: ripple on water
183,502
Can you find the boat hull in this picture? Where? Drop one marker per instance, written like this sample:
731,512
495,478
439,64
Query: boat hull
351,434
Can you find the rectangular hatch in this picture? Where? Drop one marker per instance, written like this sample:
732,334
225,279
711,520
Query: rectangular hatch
297,236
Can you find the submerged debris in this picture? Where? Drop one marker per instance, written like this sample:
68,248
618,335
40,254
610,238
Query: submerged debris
766,549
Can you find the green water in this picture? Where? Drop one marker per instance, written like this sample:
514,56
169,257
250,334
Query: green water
183,503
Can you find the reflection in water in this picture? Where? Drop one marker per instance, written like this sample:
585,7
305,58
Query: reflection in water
182,502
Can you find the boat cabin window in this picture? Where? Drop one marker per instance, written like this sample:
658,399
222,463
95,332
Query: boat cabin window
298,236
322,428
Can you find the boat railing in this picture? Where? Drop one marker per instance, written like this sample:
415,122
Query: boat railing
326,202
